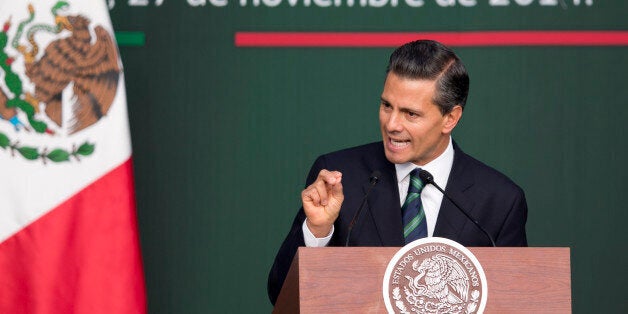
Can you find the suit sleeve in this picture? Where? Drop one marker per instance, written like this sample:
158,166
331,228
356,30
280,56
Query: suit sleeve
513,232
293,241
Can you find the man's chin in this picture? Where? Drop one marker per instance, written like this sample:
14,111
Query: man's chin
395,158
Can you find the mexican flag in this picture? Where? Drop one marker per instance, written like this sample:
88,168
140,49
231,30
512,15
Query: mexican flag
68,230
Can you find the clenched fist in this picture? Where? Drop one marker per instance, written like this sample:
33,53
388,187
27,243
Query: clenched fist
322,201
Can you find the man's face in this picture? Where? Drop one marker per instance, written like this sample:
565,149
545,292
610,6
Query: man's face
413,128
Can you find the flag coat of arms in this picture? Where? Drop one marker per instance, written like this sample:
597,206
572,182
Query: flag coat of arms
68,229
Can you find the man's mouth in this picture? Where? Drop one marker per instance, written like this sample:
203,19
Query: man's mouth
399,143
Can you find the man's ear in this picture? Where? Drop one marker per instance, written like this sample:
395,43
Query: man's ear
451,119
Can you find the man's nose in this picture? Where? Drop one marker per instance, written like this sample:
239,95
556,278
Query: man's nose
394,122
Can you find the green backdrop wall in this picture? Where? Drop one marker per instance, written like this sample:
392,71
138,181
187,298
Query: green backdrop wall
223,136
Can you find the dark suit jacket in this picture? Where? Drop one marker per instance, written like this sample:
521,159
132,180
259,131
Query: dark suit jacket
496,202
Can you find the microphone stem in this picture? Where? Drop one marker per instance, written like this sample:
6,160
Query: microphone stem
477,224
357,214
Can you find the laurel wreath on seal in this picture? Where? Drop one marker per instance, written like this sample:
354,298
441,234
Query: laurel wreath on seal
474,301
398,302
55,155
471,307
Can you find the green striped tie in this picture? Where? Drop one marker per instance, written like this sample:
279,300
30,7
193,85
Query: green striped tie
414,224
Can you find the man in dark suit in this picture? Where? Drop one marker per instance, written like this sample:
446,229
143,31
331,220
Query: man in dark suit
423,99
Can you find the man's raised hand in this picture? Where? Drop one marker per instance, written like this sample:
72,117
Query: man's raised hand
322,201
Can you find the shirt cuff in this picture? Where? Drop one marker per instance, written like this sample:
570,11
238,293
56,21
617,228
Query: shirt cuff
311,240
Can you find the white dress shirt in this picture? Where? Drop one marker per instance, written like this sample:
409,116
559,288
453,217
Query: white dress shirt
430,196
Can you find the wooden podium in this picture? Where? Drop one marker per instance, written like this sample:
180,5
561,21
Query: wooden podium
350,280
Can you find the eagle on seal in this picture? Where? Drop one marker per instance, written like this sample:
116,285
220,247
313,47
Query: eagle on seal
444,280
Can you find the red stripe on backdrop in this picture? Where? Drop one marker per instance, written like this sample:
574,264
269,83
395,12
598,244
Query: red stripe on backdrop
459,39
81,257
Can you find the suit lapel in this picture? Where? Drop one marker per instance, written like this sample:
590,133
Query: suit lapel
450,220
383,201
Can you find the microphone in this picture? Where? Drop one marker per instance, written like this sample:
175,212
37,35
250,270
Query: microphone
429,179
373,179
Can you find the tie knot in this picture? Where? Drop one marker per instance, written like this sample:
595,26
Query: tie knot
416,184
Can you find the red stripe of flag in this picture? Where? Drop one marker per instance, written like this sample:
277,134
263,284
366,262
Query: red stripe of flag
459,39
81,257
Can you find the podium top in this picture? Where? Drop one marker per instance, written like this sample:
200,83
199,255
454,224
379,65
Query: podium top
349,280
